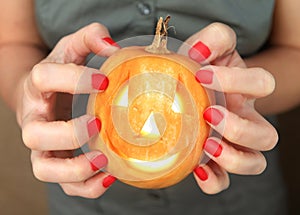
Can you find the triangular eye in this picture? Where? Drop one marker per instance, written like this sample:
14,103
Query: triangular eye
177,104
122,97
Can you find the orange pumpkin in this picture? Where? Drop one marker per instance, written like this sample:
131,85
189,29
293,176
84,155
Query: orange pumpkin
152,125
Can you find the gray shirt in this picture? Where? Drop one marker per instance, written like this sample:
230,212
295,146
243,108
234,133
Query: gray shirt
251,20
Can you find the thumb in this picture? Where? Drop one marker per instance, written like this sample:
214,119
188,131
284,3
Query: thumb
74,48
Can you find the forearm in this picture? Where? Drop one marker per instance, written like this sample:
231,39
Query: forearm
21,47
284,63
16,60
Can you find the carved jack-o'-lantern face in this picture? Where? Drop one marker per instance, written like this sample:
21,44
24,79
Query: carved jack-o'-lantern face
152,126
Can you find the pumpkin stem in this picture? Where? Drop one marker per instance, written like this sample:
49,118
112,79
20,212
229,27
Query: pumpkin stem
159,44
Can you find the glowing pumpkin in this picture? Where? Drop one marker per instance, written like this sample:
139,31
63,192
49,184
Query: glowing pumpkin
152,125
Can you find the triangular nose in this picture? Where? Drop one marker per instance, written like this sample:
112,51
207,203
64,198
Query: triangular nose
150,127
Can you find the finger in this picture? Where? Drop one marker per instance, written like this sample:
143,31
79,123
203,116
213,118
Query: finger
48,168
67,78
210,43
93,187
255,82
41,135
238,160
253,132
74,48
211,178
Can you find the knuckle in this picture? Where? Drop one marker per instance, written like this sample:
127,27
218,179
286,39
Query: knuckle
64,40
266,82
28,136
217,188
225,33
269,82
92,30
37,76
38,171
77,190
72,136
226,184
96,27
74,73
93,193
67,190
76,70
233,164
228,78
236,131
76,142
271,140
79,171
258,169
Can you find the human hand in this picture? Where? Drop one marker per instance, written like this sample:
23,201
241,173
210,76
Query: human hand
245,132
52,141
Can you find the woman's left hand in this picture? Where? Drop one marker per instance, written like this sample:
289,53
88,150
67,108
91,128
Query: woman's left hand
245,132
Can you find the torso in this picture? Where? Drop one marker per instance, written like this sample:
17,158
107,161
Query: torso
251,19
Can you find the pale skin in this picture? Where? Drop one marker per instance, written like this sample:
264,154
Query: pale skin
30,80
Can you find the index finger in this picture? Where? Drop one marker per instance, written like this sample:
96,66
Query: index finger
39,134
75,47
213,41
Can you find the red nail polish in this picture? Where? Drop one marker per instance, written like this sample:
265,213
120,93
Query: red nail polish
99,162
94,127
201,173
213,116
99,81
107,181
213,147
199,52
204,76
110,41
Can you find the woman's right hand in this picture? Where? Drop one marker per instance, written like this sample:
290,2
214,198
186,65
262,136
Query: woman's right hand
53,141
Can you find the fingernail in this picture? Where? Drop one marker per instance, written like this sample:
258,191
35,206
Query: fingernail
107,181
99,81
110,41
99,162
204,76
213,116
201,173
94,127
199,52
213,148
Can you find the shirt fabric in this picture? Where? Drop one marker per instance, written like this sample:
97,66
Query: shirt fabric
251,20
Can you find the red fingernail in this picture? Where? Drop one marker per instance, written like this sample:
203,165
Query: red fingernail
109,180
204,76
213,147
99,162
213,116
99,81
94,127
201,173
110,41
199,52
